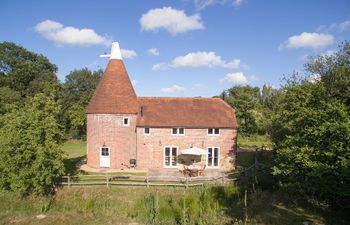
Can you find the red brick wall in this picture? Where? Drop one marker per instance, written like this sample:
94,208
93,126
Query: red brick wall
150,148
108,130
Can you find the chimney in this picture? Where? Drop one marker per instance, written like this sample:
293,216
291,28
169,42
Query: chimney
115,51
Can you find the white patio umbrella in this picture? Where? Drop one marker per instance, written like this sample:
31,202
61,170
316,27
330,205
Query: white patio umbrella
193,151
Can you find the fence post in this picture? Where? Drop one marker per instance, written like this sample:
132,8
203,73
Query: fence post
147,181
245,207
223,179
68,179
107,180
186,182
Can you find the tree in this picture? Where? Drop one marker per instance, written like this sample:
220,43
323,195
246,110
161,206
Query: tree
311,131
25,71
78,88
30,153
245,100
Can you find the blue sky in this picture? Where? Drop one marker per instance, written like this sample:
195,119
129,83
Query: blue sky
180,48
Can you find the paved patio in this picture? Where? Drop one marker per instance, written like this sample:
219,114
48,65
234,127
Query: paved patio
87,168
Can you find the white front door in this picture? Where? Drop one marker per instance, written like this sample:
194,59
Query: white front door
105,157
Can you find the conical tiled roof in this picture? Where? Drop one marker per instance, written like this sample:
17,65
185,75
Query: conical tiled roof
114,93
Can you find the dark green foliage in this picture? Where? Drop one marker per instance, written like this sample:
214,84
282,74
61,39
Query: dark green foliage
253,107
25,71
78,89
245,100
30,155
311,132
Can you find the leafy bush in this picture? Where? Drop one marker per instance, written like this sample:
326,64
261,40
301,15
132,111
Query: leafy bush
30,155
311,131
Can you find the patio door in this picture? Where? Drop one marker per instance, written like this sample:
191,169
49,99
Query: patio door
213,157
170,157
105,157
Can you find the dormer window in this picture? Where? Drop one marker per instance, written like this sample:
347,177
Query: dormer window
178,131
213,131
126,121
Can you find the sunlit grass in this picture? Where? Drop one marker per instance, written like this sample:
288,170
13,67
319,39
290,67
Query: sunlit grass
253,141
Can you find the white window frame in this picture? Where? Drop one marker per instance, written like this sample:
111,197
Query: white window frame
177,156
213,167
178,129
144,129
213,131
128,124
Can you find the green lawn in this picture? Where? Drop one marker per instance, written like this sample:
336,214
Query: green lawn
75,151
254,141
74,148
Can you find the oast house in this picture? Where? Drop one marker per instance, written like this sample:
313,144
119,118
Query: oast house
125,130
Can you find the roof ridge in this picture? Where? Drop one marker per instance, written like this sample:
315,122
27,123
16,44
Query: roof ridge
160,97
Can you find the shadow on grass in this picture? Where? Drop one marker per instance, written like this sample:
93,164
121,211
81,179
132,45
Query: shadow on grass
71,165
268,204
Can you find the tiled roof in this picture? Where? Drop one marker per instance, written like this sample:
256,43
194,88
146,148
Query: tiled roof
114,94
185,112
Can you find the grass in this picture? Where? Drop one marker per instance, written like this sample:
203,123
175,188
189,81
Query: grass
253,141
74,148
75,151
123,205
211,204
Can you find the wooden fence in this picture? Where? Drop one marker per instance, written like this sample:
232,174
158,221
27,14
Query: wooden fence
146,181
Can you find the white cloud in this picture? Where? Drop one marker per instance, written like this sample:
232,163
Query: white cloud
61,35
172,89
308,40
128,54
201,4
344,25
48,25
237,78
198,59
153,51
173,20
313,78
160,66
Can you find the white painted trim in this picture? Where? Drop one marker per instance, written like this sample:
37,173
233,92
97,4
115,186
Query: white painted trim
150,131
214,132
178,128
177,156
109,156
213,167
128,124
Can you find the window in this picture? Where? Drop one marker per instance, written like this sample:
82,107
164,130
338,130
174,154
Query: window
213,157
213,131
104,151
170,157
178,131
147,131
126,121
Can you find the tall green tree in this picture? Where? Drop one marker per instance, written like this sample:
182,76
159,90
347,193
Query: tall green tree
26,72
30,153
78,88
245,100
311,131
